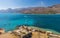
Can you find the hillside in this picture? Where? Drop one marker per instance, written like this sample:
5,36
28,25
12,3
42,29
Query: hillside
54,9
42,10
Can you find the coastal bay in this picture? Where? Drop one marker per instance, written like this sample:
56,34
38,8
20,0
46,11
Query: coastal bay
9,21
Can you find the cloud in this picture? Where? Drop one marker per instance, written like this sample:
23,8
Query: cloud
41,4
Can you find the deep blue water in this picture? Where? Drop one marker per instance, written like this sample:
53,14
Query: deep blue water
9,21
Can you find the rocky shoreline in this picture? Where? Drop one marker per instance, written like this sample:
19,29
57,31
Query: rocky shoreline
29,32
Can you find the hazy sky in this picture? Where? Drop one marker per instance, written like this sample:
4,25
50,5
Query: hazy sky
26,3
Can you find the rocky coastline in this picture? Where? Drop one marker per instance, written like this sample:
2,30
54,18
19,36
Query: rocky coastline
29,32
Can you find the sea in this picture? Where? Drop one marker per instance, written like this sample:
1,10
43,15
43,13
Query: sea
9,21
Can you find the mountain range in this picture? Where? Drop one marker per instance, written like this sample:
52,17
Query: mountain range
42,10
55,9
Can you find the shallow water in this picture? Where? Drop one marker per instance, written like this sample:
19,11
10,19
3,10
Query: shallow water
9,21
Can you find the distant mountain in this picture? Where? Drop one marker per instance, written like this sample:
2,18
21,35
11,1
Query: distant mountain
35,10
42,10
56,6
10,10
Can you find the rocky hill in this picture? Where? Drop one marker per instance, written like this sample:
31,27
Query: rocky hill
42,10
54,9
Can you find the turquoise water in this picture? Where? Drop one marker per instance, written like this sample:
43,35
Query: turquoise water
9,21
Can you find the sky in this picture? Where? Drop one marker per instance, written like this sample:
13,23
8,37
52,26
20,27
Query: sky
4,4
